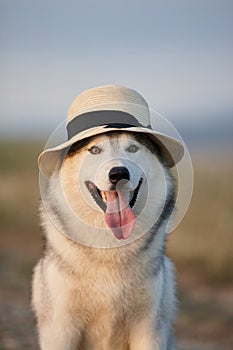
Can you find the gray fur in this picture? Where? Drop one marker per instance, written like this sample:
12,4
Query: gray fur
88,298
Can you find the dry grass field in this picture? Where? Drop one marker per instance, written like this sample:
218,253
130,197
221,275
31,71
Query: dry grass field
201,248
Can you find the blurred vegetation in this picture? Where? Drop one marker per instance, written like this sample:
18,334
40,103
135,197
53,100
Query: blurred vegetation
203,241
19,191
201,247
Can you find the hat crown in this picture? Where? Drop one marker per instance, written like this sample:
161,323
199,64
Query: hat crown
110,97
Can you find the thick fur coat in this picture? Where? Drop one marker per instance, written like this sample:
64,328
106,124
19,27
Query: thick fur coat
96,288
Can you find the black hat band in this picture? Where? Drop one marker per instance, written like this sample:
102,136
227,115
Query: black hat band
111,119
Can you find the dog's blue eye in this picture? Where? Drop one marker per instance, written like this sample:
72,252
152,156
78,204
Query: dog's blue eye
132,149
94,150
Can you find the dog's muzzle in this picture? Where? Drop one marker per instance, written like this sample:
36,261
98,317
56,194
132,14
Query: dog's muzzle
117,203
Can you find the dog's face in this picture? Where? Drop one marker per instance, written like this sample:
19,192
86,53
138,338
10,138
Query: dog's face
116,182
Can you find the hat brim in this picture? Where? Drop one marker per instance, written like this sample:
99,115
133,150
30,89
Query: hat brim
171,149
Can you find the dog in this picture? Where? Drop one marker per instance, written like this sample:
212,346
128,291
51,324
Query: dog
104,282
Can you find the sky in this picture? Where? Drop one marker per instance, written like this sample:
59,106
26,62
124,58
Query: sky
178,54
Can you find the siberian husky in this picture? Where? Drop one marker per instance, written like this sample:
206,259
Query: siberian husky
104,282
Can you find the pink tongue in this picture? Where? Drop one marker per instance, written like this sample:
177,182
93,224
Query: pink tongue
119,216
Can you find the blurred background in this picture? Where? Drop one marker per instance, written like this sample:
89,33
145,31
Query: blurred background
179,56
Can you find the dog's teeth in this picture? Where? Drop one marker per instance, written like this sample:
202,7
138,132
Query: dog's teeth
103,195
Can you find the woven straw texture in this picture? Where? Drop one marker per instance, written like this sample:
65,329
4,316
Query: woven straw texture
110,97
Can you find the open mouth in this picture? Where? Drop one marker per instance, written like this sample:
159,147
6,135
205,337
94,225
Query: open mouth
100,197
117,206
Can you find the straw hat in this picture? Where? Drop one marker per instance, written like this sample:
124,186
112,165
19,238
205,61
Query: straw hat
104,109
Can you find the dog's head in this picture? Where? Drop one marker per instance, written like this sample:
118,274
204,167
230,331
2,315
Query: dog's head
116,181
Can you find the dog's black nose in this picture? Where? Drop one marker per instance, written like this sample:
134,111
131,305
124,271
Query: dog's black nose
118,173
